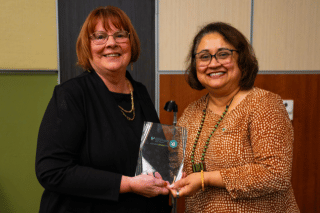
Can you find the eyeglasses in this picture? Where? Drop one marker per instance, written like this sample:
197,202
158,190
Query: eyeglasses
102,37
223,56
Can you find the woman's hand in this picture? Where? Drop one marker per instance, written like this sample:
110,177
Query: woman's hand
155,174
148,185
192,183
187,185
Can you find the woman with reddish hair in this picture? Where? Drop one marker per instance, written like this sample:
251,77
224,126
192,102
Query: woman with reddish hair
90,134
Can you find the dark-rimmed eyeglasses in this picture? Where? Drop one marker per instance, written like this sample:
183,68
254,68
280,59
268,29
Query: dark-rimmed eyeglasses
223,56
100,37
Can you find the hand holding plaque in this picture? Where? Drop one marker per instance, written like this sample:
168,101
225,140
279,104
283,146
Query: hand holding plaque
162,150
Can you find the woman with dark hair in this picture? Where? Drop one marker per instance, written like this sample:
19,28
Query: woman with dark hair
240,138
90,134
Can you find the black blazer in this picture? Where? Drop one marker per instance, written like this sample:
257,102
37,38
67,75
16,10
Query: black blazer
85,146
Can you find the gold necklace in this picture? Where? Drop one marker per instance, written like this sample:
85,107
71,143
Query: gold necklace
132,106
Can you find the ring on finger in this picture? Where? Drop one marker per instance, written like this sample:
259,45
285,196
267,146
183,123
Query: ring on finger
177,194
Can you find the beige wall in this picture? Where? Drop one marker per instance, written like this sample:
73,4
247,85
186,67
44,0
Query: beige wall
28,34
285,32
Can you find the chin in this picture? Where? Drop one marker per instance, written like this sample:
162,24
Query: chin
114,67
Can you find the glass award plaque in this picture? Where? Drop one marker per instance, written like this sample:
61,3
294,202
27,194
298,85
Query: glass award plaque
162,149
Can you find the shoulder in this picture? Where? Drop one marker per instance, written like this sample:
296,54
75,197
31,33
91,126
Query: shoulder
139,88
264,98
192,110
74,86
267,105
265,94
71,92
198,104
136,84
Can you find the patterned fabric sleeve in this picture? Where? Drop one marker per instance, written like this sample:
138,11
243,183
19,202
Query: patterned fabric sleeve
183,120
271,137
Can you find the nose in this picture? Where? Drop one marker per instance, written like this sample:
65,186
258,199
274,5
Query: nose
110,41
214,62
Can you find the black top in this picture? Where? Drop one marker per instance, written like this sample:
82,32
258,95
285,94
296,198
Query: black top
124,100
85,145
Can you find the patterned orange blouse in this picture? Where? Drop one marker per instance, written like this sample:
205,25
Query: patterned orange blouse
252,148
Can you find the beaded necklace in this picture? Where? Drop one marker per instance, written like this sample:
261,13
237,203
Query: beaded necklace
132,106
198,167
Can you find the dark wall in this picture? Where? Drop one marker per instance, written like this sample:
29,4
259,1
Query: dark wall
71,16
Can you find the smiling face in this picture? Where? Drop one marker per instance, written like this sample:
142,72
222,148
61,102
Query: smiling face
110,57
217,77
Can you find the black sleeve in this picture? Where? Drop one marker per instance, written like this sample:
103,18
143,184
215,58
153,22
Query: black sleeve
61,135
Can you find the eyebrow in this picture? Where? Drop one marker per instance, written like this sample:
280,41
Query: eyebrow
207,50
100,31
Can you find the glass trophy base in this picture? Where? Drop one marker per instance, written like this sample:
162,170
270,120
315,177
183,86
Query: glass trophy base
162,149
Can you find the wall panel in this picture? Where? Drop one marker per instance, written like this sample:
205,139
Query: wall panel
286,34
180,20
23,100
28,74
28,35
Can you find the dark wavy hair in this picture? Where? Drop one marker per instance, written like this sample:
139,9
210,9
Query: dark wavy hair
247,61
119,19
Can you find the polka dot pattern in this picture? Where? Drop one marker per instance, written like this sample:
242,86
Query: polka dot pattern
252,148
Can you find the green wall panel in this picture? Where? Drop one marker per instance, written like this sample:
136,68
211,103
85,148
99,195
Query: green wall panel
23,100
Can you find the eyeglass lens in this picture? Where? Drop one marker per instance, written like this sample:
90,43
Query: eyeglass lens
222,57
102,37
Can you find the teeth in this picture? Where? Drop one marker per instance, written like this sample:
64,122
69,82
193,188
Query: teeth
216,73
112,55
